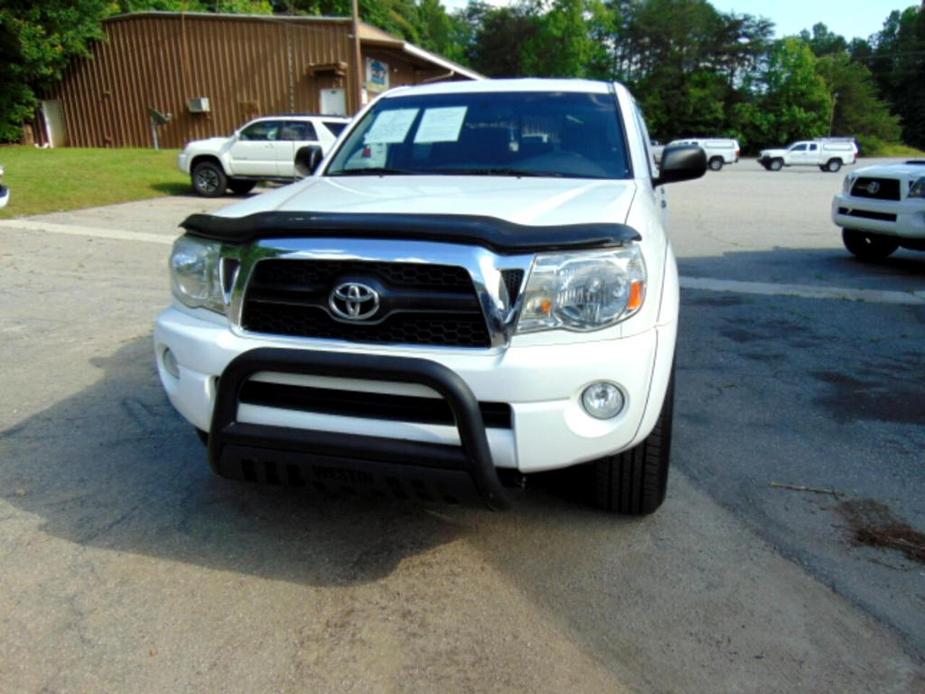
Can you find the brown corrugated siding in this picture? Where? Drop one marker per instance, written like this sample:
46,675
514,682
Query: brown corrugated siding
245,67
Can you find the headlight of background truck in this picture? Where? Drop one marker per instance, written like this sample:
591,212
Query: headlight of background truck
917,189
195,273
583,291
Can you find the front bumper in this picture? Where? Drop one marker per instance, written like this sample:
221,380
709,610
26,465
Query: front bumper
541,384
183,161
900,218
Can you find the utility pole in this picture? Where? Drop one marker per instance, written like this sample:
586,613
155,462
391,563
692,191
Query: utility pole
357,56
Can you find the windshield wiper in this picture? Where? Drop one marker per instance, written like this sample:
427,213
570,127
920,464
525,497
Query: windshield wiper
375,171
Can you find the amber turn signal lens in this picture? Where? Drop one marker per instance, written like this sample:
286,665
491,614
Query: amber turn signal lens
636,293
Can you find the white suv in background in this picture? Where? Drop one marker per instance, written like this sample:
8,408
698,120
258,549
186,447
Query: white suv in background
829,154
719,150
264,149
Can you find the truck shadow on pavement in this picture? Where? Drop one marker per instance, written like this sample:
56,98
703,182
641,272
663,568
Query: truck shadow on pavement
115,467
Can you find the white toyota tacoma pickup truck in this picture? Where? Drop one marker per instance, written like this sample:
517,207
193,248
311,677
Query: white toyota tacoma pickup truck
495,297
882,208
829,154
265,149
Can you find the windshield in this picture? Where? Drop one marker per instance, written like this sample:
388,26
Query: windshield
560,134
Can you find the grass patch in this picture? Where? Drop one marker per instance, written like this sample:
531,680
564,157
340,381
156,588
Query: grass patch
53,180
886,149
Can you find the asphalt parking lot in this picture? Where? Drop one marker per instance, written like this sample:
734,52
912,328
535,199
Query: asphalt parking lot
125,566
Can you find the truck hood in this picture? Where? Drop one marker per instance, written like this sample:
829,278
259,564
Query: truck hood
773,152
531,201
898,170
211,144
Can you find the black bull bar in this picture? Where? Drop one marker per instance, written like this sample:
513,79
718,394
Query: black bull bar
330,460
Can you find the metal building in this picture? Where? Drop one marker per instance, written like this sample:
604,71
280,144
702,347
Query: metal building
182,76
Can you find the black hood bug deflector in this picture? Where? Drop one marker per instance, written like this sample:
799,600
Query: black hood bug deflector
495,234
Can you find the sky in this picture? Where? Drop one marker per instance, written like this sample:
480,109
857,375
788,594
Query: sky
850,18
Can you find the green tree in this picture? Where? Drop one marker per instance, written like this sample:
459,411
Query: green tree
37,41
856,108
795,97
822,41
896,57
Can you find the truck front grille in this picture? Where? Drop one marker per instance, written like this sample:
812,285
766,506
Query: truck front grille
876,188
422,304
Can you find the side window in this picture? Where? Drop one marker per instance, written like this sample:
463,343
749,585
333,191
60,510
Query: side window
799,148
335,127
261,131
297,131
812,148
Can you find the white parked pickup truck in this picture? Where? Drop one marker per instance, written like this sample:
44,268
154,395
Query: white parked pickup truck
719,150
882,208
262,150
829,154
496,296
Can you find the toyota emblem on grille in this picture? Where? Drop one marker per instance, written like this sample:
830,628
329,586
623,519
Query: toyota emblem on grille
873,187
354,301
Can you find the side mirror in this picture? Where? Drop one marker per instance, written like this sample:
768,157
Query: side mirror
681,163
307,160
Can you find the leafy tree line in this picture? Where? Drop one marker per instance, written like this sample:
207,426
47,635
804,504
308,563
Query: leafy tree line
695,70
698,71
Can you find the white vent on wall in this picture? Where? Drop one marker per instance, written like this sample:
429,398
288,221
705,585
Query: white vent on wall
198,105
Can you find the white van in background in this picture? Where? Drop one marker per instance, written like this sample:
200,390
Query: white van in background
719,150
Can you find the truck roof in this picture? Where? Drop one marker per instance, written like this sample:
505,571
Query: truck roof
530,84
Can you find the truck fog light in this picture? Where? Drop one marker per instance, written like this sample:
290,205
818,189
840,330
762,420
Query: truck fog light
170,364
602,400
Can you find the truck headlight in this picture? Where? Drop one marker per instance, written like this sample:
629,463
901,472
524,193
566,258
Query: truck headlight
847,183
195,273
917,189
583,291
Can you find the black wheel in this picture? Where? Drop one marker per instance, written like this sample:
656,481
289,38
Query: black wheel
868,246
776,164
833,165
209,180
716,164
634,482
203,436
240,187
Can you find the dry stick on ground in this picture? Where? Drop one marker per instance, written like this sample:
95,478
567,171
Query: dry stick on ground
801,488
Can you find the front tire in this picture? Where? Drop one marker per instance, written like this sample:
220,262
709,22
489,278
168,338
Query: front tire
868,246
776,165
209,179
634,482
716,164
833,165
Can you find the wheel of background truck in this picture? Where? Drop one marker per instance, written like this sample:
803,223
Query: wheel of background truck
822,167
775,164
868,246
833,165
716,164
209,180
239,187
634,482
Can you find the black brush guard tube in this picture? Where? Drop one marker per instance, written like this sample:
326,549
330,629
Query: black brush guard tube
359,457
